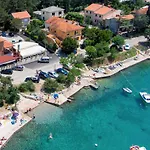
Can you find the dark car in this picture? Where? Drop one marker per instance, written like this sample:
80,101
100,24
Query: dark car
43,75
7,71
18,68
33,79
66,67
11,34
62,70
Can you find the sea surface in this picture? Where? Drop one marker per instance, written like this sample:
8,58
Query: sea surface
108,117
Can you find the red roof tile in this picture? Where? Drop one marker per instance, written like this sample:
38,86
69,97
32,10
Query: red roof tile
103,10
93,7
63,24
5,59
7,44
21,15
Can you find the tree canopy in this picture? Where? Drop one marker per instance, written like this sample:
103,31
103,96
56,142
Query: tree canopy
118,40
75,16
69,45
8,94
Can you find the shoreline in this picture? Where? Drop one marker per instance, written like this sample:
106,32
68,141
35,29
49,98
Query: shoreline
85,81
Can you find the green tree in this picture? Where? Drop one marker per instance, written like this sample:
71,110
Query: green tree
61,79
3,17
102,48
118,40
70,79
50,86
91,51
13,96
147,34
69,45
74,16
25,87
113,54
41,36
141,22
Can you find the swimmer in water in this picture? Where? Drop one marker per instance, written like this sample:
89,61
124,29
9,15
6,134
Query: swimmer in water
50,136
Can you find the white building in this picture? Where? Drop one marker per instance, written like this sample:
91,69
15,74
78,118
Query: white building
46,13
29,49
103,16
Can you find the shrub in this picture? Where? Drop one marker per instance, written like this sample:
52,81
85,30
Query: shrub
28,86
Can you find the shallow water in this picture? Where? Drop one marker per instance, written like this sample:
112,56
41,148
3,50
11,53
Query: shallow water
109,117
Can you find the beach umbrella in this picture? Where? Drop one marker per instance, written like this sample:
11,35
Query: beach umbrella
56,95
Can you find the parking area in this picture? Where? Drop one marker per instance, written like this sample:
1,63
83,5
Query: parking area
13,39
19,76
135,41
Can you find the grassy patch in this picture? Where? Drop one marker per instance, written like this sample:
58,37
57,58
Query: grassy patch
126,54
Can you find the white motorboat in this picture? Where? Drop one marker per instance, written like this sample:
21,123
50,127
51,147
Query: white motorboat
136,147
145,96
127,90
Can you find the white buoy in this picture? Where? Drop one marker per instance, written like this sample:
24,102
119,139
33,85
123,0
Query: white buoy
96,145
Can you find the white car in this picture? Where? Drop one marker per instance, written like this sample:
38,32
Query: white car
127,47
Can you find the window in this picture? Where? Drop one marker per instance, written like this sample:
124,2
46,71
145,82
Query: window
43,13
86,11
99,16
68,34
95,20
60,13
90,12
43,18
53,14
75,32
95,15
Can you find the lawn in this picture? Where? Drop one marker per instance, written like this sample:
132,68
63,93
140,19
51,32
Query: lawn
126,54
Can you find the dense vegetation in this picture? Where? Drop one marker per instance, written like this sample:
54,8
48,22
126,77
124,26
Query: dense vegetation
8,93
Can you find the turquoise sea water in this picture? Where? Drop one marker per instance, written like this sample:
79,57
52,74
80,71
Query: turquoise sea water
107,116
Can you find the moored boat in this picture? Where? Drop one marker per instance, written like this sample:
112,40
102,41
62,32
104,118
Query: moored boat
127,90
145,96
136,147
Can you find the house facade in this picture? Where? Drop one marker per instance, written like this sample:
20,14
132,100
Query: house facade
24,16
62,28
51,11
102,16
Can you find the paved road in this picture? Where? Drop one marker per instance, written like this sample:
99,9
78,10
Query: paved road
135,41
36,65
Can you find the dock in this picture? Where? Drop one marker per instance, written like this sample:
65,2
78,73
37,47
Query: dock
94,86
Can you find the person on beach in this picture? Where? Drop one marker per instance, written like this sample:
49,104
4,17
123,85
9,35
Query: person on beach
3,138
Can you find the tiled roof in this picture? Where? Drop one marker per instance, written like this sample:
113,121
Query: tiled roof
7,44
63,24
93,7
103,10
127,17
142,10
6,58
21,15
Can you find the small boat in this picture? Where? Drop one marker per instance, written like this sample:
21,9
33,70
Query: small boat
136,147
127,90
145,96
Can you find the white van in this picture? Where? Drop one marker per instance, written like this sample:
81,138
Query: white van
44,60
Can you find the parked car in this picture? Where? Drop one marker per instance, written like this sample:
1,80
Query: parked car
7,71
33,79
43,75
53,74
66,67
127,47
11,34
62,70
44,60
18,68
